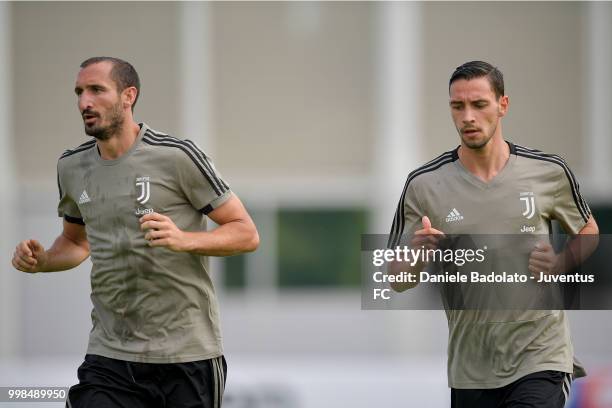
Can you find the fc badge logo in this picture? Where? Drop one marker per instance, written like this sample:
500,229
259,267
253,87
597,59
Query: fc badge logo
529,199
144,187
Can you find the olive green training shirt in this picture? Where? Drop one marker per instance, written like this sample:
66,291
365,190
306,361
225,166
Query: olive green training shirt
492,348
150,304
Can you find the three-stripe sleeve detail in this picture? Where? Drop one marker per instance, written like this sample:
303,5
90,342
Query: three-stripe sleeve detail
583,208
206,161
81,148
59,186
397,228
197,156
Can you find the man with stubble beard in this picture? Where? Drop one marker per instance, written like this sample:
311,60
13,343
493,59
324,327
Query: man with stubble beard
136,201
487,185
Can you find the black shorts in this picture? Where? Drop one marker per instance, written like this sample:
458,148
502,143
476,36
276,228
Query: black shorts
544,389
109,383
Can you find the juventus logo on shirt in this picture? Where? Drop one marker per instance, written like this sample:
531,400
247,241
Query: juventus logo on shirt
144,186
529,199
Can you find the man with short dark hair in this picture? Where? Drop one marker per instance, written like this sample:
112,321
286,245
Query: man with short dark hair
136,200
122,73
497,358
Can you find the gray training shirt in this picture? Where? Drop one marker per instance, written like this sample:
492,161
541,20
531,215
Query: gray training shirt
492,348
150,304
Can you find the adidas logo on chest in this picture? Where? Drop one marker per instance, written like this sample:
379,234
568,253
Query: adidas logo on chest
84,198
454,216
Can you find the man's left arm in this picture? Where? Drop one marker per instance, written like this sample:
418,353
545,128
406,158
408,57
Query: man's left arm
574,215
543,258
236,233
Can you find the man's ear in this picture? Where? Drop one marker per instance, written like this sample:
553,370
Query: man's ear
129,96
504,104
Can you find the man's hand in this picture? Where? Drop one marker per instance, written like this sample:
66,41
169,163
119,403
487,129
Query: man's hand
543,259
235,233
427,236
68,250
161,231
29,256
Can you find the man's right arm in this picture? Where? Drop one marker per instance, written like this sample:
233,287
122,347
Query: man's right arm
69,250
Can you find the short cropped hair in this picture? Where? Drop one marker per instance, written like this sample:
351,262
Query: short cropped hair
478,69
123,73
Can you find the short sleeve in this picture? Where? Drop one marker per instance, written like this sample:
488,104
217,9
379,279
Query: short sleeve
569,207
199,179
67,208
407,215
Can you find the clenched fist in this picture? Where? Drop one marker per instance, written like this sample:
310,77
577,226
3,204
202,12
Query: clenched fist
161,231
29,256
543,259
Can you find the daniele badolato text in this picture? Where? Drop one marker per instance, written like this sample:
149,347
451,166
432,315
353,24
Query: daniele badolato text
459,257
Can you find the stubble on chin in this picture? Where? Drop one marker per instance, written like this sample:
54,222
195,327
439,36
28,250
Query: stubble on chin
105,133
97,132
477,144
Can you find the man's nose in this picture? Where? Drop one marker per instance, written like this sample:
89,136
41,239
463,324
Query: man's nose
85,102
468,116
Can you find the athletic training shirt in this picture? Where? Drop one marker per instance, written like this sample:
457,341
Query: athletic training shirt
490,349
150,304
